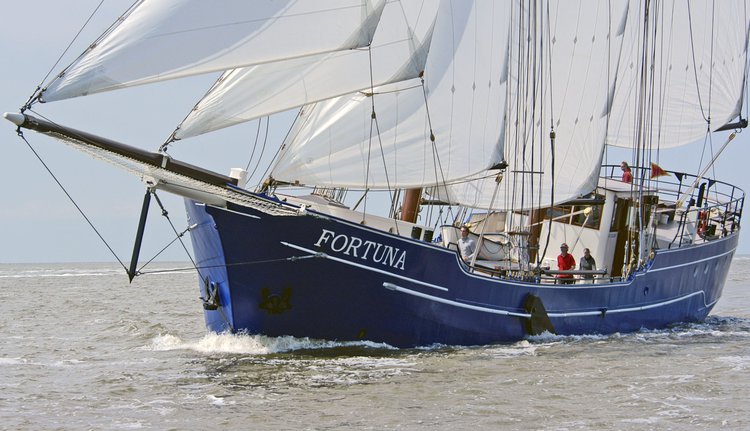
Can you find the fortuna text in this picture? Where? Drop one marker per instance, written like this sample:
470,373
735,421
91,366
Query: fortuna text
366,250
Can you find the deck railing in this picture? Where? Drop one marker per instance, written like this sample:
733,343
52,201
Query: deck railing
712,209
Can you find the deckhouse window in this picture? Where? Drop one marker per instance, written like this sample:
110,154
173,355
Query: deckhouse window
588,216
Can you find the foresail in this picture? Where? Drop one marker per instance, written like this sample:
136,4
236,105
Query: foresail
566,55
696,55
167,39
337,142
398,52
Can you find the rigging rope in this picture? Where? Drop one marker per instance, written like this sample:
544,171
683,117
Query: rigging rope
228,265
374,124
435,153
263,150
179,236
21,135
37,92
707,118
281,147
552,136
90,223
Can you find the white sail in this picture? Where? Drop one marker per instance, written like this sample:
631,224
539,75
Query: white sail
696,66
167,39
398,52
336,143
498,78
565,57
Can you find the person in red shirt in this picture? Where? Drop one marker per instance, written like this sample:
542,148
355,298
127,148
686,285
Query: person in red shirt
565,261
627,176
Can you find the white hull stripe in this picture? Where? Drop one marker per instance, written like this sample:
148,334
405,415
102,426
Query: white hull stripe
391,286
693,262
379,271
629,309
704,244
492,310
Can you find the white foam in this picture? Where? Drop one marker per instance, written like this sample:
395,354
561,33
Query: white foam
217,401
248,344
548,338
60,274
738,363
12,361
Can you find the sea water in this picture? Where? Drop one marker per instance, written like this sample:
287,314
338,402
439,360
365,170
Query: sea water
80,348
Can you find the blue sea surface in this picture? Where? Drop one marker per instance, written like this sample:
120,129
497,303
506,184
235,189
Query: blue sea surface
81,348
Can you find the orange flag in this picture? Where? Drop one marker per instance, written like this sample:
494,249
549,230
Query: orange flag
657,171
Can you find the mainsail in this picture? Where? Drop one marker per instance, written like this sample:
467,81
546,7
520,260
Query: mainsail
434,93
383,139
565,57
690,77
564,63
682,70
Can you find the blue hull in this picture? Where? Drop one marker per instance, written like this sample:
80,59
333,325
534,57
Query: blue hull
321,277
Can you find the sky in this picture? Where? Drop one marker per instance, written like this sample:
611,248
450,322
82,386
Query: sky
38,223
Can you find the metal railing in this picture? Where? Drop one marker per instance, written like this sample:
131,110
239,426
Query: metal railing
712,207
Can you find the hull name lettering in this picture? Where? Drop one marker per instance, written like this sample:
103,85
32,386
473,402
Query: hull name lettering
365,250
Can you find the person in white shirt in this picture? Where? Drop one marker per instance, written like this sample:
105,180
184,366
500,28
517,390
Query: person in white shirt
466,246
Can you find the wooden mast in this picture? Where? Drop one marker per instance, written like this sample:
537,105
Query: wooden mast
410,205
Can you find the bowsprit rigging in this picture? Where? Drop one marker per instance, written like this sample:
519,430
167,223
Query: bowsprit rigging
109,151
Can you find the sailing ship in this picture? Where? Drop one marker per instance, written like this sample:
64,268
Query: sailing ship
495,116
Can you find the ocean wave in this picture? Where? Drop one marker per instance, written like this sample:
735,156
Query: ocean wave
13,361
547,338
67,274
713,326
58,363
251,344
245,344
523,348
238,359
47,273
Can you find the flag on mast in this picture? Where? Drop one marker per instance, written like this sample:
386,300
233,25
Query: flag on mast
657,171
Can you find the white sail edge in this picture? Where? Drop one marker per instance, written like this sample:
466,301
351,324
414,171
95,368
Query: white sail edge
697,72
398,52
469,114
328,147
171,39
